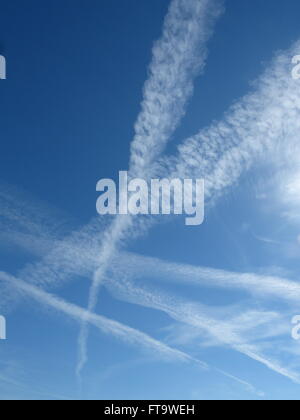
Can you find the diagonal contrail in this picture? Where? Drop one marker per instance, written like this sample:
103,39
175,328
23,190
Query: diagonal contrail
177,58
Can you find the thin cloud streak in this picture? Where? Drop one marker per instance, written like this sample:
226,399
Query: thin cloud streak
247,385
255,284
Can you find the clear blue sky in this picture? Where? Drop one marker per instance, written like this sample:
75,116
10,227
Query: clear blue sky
75,75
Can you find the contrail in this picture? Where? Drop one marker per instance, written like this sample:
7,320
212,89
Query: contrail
106,325
245,121
262,286
223,151
177,58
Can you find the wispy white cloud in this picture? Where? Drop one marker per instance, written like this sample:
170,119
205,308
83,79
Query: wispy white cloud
263,123
224,332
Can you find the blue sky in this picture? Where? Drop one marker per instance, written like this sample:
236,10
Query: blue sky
183,312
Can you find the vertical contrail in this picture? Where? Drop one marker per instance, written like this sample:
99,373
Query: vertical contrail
177,58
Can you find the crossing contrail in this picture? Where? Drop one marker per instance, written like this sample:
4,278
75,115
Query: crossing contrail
118,330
